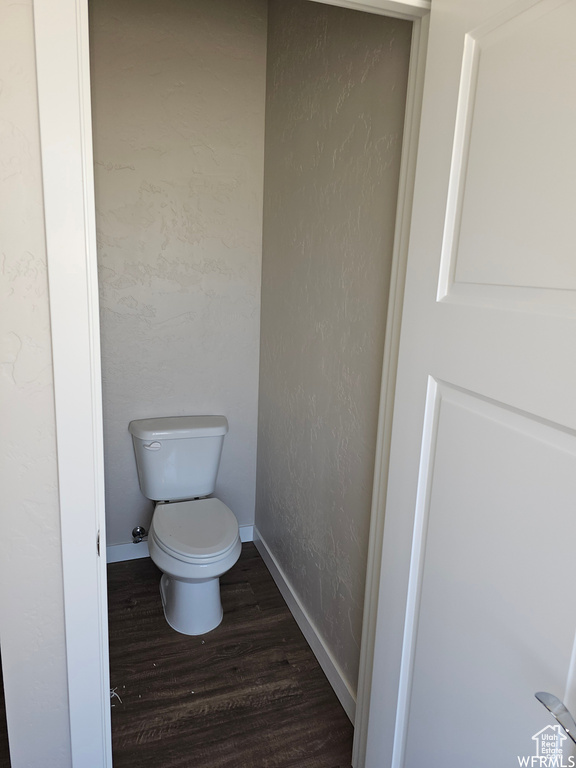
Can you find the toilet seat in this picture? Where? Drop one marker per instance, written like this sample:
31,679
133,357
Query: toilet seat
199,532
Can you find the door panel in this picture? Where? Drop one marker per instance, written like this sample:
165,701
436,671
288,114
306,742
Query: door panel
513,167
492,629
479,552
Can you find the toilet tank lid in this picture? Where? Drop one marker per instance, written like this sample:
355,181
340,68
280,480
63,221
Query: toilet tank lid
178,427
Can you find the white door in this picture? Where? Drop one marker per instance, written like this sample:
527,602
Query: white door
478,595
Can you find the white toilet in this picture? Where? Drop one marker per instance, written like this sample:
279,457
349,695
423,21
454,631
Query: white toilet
192,539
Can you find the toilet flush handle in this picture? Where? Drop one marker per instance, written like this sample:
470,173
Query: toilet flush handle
154,446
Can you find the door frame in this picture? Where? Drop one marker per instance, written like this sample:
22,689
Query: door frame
402,225
64,108
63,72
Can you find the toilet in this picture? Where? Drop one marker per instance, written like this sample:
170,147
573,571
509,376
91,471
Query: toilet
193,537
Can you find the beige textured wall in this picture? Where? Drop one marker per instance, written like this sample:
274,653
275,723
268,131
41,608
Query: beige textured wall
31,602
178,101
334,115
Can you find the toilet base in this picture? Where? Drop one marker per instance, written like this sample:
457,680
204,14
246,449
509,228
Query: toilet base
191,608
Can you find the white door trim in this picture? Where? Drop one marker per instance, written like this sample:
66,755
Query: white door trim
399,9
62,52
63,72
387,392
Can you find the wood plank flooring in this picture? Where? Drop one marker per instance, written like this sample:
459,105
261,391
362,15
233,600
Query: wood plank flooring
4,749
249,694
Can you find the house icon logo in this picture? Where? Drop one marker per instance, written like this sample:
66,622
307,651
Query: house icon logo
549,750
549,741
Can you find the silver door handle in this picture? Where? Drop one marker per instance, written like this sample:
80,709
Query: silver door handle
554,705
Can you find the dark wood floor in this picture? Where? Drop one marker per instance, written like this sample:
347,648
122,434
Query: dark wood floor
249,694
4,751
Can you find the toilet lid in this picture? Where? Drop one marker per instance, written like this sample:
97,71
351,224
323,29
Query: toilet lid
198,529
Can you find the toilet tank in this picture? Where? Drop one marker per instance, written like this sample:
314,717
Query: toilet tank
177,457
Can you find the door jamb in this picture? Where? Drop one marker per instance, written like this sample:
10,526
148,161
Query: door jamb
388,385
63,78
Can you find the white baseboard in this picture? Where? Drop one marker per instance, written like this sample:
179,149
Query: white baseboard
246,533
309,630
117,553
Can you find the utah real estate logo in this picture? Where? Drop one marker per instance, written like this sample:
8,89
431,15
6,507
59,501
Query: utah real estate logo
549,750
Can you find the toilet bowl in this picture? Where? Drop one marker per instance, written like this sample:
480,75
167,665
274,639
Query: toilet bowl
193,537
193,543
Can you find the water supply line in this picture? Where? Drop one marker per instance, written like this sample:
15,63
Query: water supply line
138,534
